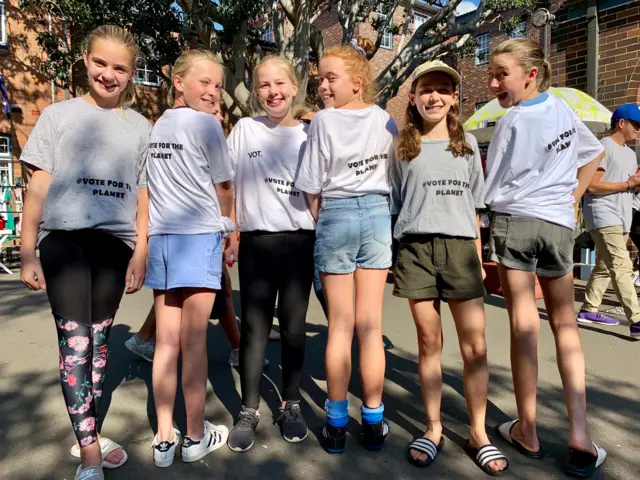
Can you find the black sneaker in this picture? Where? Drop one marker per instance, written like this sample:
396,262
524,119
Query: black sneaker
333,439
292,424
375,434
243,433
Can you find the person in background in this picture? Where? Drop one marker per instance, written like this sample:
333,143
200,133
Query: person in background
608,214
634,234
87,211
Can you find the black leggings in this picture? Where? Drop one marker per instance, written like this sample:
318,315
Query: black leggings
85,274
270,265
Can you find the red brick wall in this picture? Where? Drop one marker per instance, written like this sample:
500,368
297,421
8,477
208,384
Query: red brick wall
618,72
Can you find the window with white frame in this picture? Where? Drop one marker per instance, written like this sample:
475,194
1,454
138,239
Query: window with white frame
6,170
418,20
479,105
145,75
520,31
387,36
482,49
3,24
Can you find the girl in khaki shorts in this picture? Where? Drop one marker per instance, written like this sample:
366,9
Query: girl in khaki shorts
437,185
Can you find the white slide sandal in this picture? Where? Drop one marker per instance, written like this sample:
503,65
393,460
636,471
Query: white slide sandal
106,447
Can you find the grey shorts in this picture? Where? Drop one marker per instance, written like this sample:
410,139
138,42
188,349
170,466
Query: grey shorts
530,244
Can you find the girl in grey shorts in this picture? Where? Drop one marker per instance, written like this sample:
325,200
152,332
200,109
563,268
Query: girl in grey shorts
540,162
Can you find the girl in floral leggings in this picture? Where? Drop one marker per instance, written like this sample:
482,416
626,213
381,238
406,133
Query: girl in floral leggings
87,211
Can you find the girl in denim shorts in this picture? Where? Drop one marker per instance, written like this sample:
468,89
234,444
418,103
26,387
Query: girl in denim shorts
437,187
190,193
344,170
540,162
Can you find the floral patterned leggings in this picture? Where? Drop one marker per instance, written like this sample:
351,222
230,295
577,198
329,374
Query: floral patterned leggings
83,364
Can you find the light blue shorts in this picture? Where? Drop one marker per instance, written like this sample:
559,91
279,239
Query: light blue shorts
353,233
176,261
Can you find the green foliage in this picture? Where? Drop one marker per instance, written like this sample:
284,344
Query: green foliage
151,22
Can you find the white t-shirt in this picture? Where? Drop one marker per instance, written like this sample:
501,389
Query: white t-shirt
347,153
187,156
601,211
533,160
265,158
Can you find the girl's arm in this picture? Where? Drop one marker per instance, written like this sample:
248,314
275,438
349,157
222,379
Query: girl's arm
314,204
585,176
232,245
30,269
138,264
224,191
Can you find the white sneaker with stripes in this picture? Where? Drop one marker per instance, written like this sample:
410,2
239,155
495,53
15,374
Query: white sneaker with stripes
215,436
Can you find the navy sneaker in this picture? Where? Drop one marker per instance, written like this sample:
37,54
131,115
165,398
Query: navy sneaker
635,329
333,439
597,317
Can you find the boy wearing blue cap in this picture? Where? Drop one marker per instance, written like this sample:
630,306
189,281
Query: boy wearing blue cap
608,210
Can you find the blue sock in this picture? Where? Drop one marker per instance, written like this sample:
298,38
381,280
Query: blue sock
372,415
337,413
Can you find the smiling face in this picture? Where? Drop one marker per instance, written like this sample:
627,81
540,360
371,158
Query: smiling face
109,69
337,87
275,90
200,86
434,96
509,82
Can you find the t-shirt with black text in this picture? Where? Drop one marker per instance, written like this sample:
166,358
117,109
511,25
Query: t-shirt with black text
436,192
266,157
533,160
347,153
97,161
188,155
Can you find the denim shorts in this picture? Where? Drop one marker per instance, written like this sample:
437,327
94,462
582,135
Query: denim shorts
176,261
353,233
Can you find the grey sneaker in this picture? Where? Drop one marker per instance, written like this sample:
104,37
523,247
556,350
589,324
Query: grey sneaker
243,433
234,359
141,348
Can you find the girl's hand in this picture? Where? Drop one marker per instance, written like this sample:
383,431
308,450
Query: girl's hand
31,271
231,249
136,271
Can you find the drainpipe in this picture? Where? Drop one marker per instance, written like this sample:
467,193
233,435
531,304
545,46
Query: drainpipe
53,84
593,47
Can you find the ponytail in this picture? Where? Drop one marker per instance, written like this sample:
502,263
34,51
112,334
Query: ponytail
530,55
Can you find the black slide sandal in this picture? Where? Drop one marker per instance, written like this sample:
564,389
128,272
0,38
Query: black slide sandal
583,464
425,446
505,432
485,454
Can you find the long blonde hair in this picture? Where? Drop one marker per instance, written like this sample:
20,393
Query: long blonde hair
356,63
529,55
184,62
118,34
409,141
